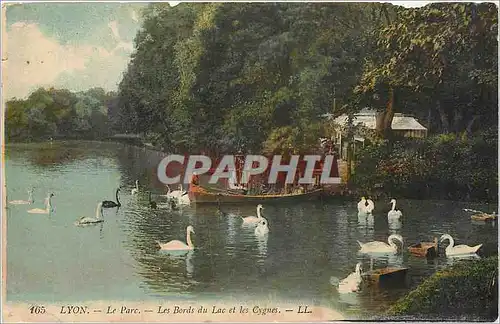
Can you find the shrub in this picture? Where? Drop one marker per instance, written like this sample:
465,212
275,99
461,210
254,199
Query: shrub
466,290
440,167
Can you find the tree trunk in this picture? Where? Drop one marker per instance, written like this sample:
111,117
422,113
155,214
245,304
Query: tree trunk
443,116
457,120
468,129
350,140
390,114
349,160
429,119
383,119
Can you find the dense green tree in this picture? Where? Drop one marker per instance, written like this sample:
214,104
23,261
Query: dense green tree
447,53
225,76
59,113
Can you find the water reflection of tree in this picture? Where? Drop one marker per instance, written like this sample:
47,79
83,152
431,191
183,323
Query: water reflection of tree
140,163
59,153
49,155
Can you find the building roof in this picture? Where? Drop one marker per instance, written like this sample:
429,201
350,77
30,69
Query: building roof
367,117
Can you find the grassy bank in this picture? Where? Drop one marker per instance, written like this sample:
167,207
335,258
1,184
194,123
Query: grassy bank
467,290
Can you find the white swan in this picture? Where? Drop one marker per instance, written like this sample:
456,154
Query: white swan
24,202
136,189
183,198
172,194
459,250
48,207
362,205
92,220
393,213
365,206
262,228
253,219
181,195
371,206
177,245
382,247
352,282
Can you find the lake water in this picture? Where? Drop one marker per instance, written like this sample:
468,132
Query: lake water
50,259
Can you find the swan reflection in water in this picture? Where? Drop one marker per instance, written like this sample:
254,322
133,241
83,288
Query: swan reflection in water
101,233
482,223
178,257
450,260
366,225
394,225
262,246
366,220
189,264
394,260
350,298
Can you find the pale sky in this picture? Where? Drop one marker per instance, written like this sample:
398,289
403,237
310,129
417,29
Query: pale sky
75,46
410,4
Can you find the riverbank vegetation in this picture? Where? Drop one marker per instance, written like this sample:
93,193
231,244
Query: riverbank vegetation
257,77
466,291
447,166
60,113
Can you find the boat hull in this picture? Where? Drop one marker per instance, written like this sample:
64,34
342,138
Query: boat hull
424,249
427,250
484,218
199,195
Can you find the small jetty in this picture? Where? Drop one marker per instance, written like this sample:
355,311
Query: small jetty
424,249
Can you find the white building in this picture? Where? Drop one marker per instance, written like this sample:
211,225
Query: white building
402,125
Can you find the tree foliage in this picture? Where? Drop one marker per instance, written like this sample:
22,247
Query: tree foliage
59,113
446,55
222,76
446,166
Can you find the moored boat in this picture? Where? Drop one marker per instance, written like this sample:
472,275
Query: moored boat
202,195
424,249
484,217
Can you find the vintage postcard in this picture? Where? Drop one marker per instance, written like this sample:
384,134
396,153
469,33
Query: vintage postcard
249,161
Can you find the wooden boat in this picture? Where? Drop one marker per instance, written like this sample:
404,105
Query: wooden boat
484,217
201,195
425,249
386,276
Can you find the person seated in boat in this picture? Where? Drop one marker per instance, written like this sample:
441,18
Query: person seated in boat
236,187
195,179
264,188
